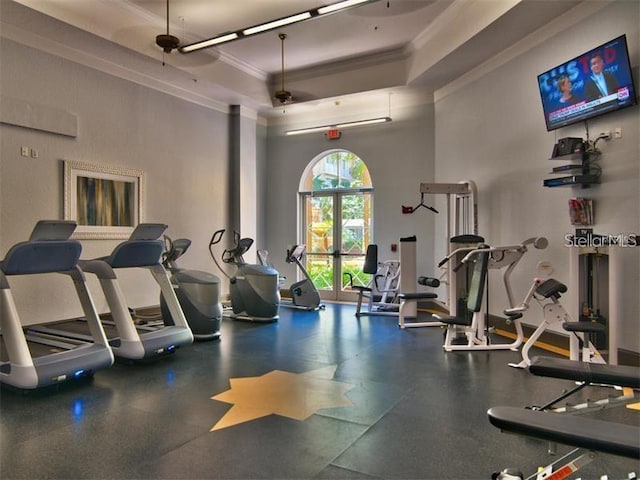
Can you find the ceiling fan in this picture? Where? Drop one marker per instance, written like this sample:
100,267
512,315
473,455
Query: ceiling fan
282,95
166,41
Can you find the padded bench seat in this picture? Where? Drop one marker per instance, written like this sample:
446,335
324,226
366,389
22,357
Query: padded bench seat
408,298
577,431
618,375
584,326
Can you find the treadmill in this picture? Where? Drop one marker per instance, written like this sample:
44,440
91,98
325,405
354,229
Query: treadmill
48,250
129,341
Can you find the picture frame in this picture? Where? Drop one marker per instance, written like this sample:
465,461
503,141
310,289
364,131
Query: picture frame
106,201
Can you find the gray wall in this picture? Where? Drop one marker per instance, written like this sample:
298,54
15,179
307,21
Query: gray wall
182,148
399,156
487,127
261,186
491,127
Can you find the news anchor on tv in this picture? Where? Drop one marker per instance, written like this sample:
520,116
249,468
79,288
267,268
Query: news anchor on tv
565,87
601,83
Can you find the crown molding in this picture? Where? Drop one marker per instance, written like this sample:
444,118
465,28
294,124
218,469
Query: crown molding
573,16
345,65
178,86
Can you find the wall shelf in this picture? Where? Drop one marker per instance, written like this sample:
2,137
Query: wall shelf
580,172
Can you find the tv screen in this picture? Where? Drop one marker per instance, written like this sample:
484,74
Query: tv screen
594,83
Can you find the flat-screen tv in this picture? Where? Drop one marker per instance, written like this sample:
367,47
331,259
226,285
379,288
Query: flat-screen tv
597,82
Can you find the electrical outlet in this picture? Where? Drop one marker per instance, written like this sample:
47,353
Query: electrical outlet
617,133
34,153
24,151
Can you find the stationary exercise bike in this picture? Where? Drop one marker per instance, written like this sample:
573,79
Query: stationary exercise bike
198,293
254,291
304,294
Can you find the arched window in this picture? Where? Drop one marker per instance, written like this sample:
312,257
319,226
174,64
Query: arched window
337,169
336,202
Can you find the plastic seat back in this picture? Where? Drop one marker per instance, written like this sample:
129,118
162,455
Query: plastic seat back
478,281
371,260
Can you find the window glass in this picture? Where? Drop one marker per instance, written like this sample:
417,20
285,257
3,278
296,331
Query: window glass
340,169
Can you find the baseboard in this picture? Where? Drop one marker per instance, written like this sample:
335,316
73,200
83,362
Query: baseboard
551,341
557,342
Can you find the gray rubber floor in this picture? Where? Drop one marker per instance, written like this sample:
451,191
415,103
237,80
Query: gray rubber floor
417,413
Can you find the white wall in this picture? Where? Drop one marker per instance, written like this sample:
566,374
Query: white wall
399,156
490,125
182,148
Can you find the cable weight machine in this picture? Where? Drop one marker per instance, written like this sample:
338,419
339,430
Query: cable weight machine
461,232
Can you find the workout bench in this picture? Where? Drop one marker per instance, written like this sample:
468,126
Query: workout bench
407,299
588,435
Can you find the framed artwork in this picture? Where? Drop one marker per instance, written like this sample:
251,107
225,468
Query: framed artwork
104,200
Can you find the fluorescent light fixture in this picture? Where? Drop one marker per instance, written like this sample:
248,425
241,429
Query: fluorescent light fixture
360,123
339,6
324,128
274,24
209,43
277,23
300,131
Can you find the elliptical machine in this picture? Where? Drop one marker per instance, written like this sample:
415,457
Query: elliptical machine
253,288
304,294
198,293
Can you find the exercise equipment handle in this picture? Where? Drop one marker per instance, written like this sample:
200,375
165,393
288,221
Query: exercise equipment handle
456,252
168,256
459,265
515,310
409,209
472,253
217,237
173,250
443,261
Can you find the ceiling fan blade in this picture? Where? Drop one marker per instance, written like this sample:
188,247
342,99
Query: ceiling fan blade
141,38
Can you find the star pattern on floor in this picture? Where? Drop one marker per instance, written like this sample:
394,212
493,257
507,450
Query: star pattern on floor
628,392
291,395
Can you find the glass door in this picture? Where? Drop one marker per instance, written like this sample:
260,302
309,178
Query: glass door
355,234
336,195
337,228
318,231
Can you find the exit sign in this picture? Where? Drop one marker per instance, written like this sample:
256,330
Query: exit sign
333,134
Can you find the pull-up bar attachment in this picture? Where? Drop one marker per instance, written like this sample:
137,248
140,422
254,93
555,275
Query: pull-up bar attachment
410,209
